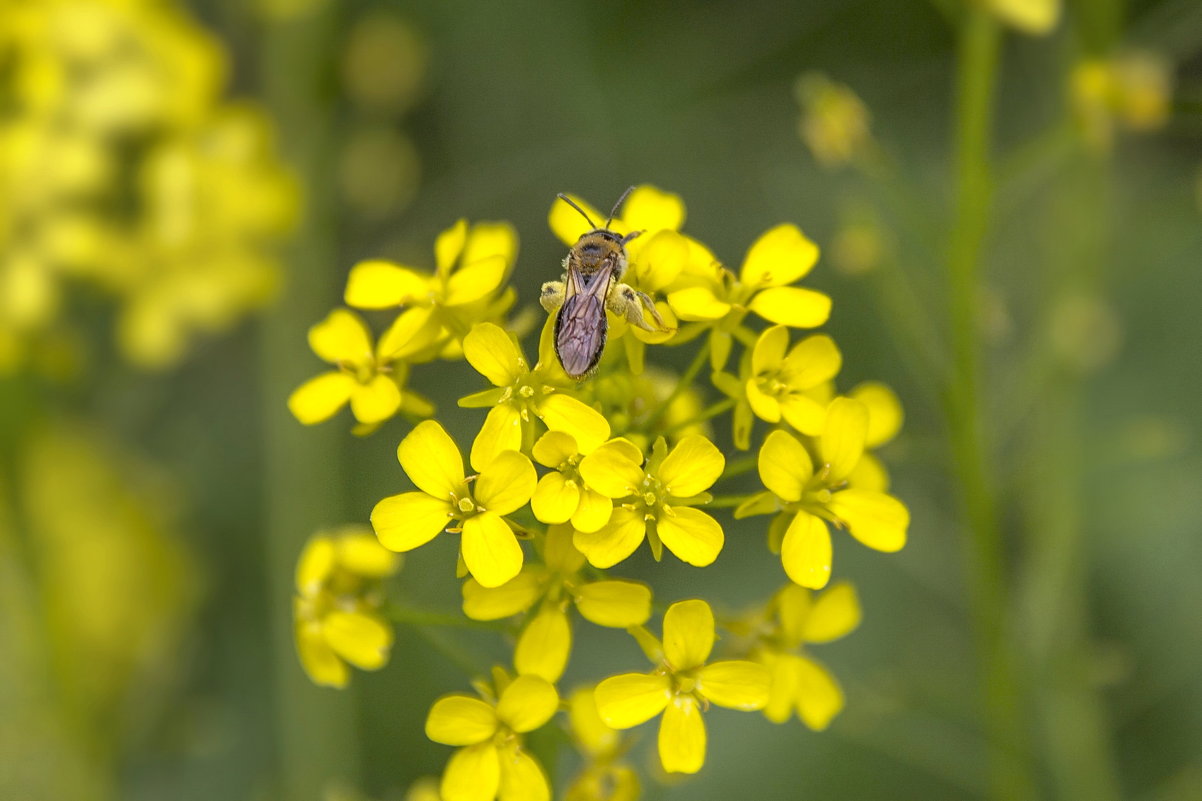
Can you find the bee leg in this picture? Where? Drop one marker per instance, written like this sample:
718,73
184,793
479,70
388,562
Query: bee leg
626,301
552,296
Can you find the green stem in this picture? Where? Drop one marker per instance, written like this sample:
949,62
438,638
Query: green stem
419,617
728,501
739,466
686,381
977,68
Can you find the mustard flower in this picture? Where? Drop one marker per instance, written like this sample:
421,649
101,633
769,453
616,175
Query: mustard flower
472,265
834,121
885,417
1033,17
721,300
478,503
336,609
520,395
654,501
545,643
368,375
1132,90
811,492
605,776
491,760
797,617
782,384
562,494
682,686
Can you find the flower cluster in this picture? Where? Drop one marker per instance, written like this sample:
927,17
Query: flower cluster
121,168
562,481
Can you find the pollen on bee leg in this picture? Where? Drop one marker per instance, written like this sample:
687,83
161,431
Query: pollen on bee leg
552,295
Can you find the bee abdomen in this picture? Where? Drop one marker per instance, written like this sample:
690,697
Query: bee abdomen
580,333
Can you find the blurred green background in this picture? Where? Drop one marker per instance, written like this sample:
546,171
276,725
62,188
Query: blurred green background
398,118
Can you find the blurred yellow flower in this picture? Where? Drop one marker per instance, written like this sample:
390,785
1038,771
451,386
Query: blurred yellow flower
654,501
885,416
1035,17
1132,89
834,121
813,492
431,459
715,296
336,609
605,777
491,760
681,687
562,493
522,394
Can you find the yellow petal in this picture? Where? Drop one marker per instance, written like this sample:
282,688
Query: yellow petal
786,681
506,484
784,465
412,331
649,208
806,551
691,467
449,245
587,726
502,431
659,261
431,459
1035,17
617,604
610,471
874,518
460,720
544,645
363,640
803,413
491,239
522,778
793,606
375,401
493,354
474,281
792,306
682,736
614,541
409,520
360,553
632,698
527,703
843,436
555,498
564,413
320,398
381,285
780,256
869,474
765,406
342,337
320,663
761,503
819,696
688,634
472,774
835,613
490,550
769,352
315,564
812,361
493,603
568,224
884,411
692,535
698,303
735,684
554,448
593,512
559,554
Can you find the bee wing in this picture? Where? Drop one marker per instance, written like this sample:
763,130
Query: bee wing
581,327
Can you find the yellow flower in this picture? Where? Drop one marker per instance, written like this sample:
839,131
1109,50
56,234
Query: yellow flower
522,394
721,300
604,776
336,609
1132,89
479,503
654,501
562,494
800,684
367,376
885,417
781,383
546,640
681,687
491,760
472,265
834,122
814,492
1035,17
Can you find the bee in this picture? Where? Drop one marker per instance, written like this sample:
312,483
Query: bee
592,283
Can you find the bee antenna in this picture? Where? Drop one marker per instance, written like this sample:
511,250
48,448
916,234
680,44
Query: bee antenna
618,205
569,201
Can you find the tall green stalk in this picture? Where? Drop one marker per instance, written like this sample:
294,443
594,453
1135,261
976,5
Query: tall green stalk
315,734
976,78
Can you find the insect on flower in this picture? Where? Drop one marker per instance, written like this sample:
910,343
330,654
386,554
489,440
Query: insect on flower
591,284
